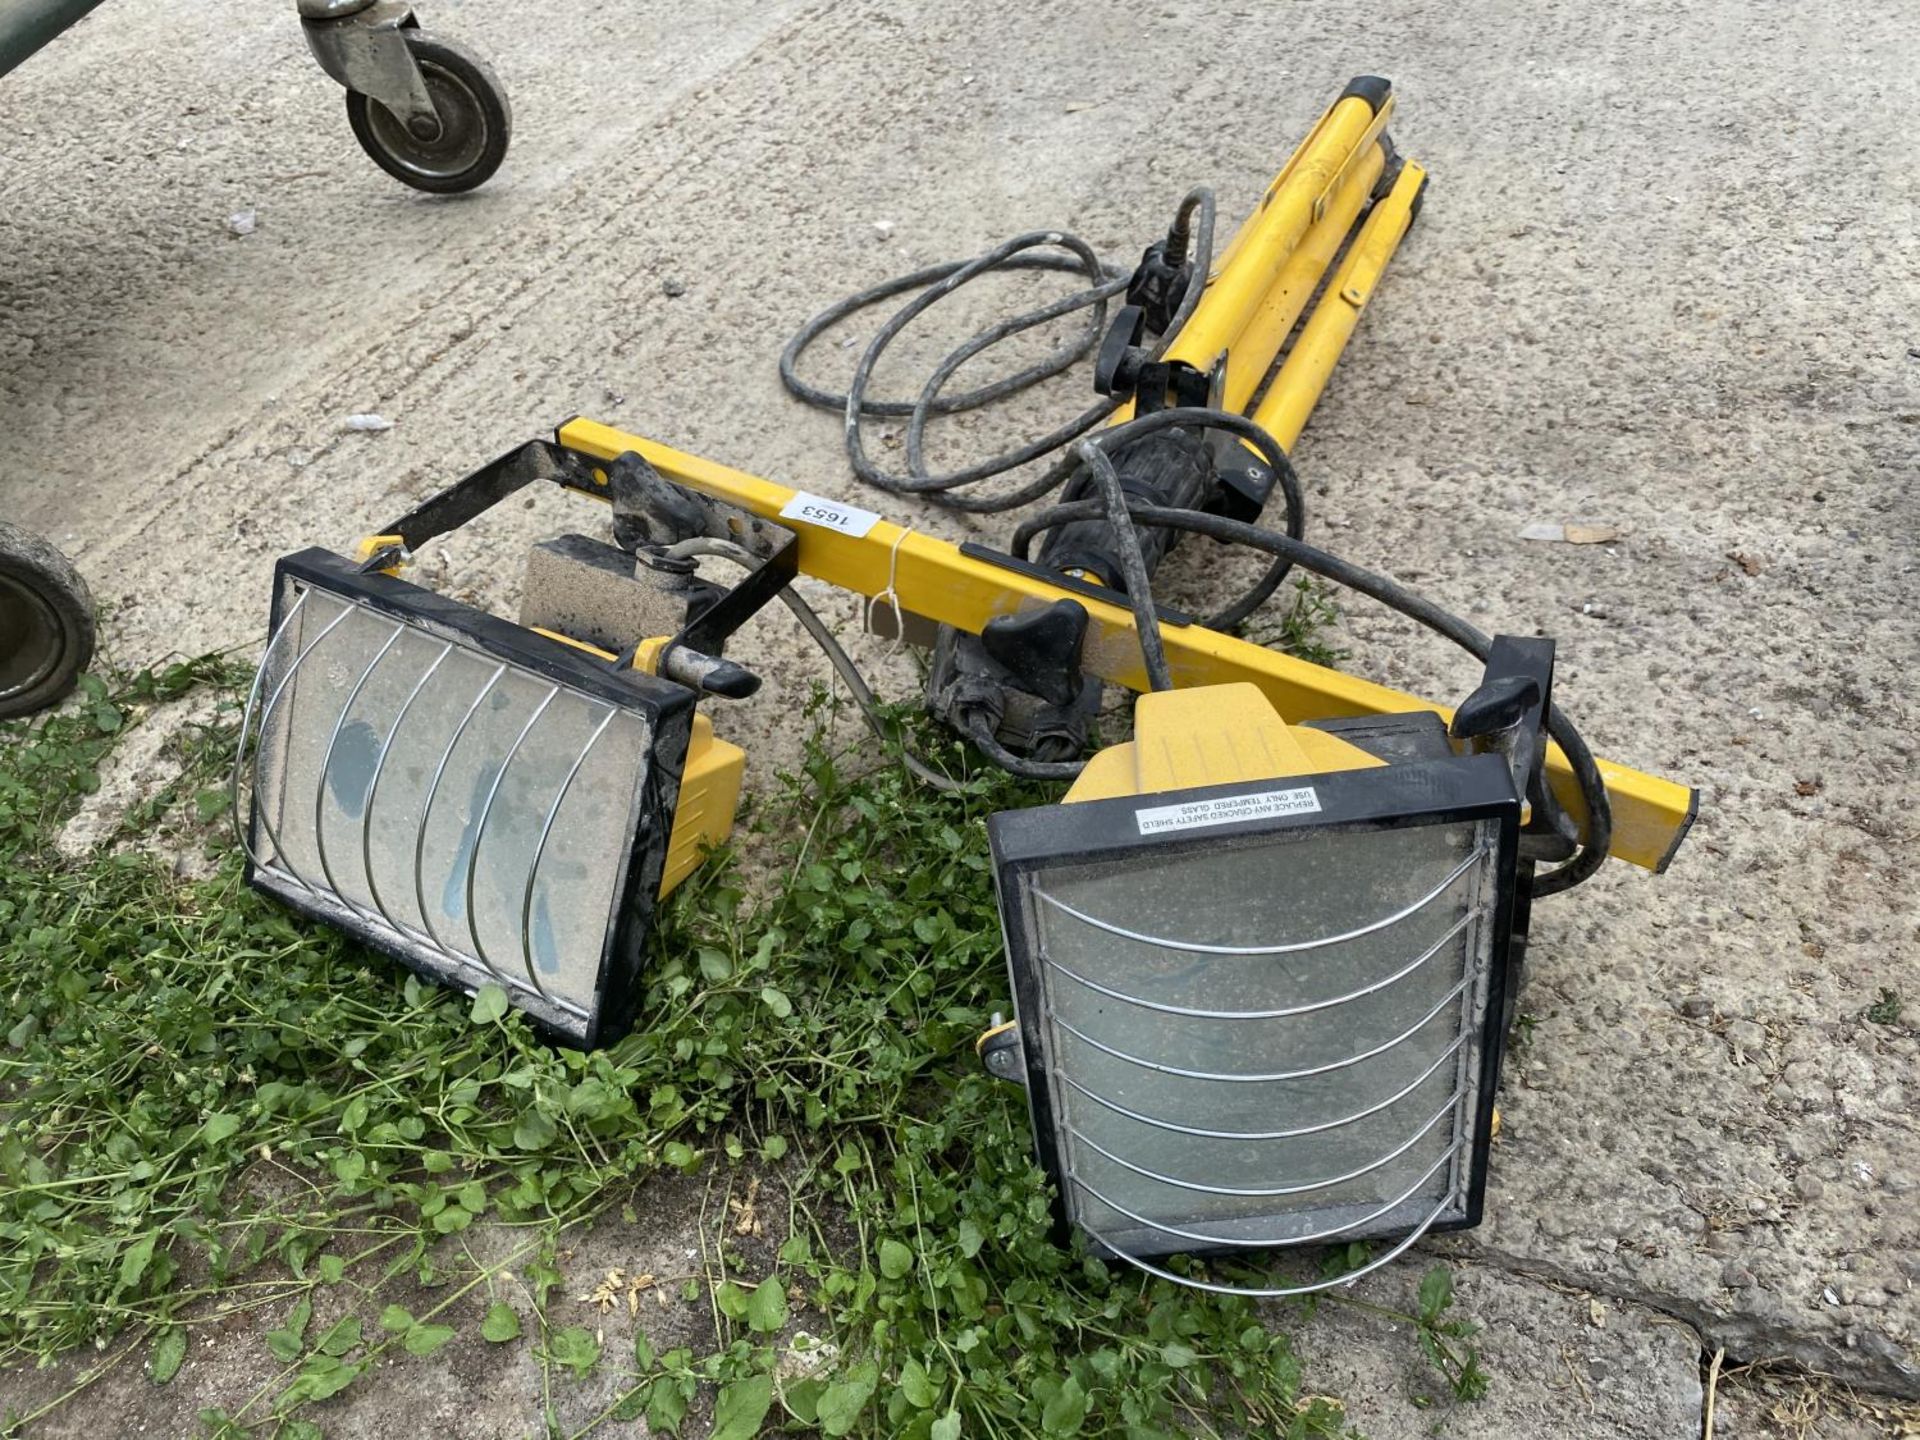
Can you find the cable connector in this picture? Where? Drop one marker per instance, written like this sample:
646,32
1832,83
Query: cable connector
1161,279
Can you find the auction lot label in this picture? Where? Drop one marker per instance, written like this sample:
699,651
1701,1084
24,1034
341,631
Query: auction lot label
829,514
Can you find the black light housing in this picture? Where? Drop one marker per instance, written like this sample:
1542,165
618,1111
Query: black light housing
1266,1013
480,801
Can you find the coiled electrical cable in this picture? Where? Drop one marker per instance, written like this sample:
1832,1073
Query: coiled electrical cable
1195,219
1133,564
1191,232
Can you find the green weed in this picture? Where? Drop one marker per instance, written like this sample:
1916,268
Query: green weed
1299,632
210,1107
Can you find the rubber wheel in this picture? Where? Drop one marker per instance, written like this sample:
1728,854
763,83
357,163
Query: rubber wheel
46,623
475,122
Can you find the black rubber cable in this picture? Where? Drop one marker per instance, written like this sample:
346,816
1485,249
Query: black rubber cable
1112,282
1593,788
935,283
981,733
1133,564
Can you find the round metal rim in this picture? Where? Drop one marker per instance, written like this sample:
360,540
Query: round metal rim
1325,1125
26,613
461,115
480,826
1281,1292
540,852
280,860
1309,1239
1380,1049
426,814
1264,1193
240,831
326,765
373,791
1191,1013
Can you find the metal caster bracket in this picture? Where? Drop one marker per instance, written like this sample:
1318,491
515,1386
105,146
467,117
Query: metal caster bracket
361,44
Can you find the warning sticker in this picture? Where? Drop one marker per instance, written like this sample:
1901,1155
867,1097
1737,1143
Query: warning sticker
829,514
1230,810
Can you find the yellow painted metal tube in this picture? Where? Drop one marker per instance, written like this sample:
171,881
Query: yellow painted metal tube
1283,411
1300,196
1273,319
935,579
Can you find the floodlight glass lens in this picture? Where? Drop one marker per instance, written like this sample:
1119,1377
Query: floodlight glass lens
1265,1042
479,814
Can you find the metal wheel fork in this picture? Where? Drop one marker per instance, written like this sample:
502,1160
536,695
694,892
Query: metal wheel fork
362,44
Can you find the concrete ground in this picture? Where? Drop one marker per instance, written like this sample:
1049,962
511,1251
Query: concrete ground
1664,282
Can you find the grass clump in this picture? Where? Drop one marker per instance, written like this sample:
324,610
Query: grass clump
209,1106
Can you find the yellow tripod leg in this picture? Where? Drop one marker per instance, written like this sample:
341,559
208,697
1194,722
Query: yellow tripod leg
1273,319
1283,411
1301,196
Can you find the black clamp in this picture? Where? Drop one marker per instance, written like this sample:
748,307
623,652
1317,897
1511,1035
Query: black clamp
1116,369
1020,679
1125,367
1243,481
652,513
1506,716
1169,385
1041,649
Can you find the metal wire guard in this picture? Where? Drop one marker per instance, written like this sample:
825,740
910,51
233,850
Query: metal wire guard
1456,946
259,835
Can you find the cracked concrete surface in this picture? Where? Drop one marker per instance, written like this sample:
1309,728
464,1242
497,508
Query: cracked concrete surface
1592,1368
1664,280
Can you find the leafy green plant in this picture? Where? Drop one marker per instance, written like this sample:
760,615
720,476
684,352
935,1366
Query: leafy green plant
1520,1037
1300,631
1885,1010
212,1107
1459,1363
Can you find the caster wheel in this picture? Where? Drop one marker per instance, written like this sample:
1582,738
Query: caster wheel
46,623
475,122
